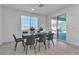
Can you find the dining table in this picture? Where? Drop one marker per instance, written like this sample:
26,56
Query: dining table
37,35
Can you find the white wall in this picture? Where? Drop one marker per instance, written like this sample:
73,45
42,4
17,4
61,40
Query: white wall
12,22
72,23
0,24
48,23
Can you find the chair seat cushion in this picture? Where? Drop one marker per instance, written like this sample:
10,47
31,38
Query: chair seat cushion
40,40
19,39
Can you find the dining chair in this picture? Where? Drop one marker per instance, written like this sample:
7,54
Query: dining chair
30,41
18,40
42,39
50,38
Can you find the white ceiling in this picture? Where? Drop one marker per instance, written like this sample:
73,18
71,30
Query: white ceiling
47,9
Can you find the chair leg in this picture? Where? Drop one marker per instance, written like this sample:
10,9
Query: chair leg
30,46
53,42
45,44
23,45
48,43
26,49
39,46
36,43
34,48
16,45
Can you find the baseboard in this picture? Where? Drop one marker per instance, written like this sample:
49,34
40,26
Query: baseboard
72,44
5,42
0,43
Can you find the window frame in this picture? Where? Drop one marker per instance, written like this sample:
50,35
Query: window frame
29,23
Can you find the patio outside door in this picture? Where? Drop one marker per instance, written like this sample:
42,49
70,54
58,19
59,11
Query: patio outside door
61,27
58,27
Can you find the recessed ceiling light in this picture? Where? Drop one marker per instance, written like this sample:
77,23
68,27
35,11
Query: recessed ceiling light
33,9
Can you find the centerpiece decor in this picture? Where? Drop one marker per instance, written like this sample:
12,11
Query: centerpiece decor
32,29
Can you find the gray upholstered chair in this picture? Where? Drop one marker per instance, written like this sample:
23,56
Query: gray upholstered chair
50,38
30,42
18,40
42,39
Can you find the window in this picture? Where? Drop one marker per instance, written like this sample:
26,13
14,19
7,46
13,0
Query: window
27,22
34,22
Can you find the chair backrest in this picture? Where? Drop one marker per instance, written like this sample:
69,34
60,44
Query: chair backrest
30,40
25,32
42,37
14,37
50,36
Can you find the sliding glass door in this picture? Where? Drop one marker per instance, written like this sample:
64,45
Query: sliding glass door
61,27
58,27
54,27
